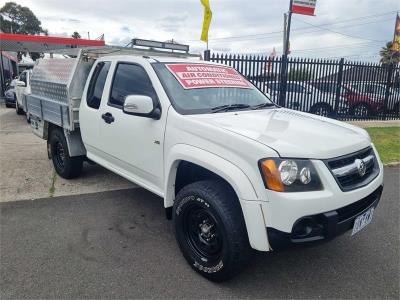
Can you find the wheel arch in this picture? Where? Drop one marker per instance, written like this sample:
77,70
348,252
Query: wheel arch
210,162
232,175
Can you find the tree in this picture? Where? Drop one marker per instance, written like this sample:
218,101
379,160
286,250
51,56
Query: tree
299,75
76,35
15,18
19,19
388,56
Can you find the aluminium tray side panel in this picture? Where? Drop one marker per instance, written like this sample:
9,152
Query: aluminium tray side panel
53,112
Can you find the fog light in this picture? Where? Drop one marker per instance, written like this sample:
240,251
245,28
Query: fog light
305,175
288,171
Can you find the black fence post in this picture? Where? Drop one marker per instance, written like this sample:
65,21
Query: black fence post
283,79
339,87
207,55
387,92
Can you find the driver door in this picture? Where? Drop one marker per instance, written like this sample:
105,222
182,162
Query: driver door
133,145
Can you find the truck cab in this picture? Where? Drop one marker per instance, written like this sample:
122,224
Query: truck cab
235,171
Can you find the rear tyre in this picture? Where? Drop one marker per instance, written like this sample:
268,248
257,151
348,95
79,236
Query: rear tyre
8,105
210,229
361,111
66,166
322,109
18,110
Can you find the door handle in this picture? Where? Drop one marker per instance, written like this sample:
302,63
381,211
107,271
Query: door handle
108,118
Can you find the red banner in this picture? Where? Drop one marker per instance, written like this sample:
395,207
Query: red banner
192,76
304,7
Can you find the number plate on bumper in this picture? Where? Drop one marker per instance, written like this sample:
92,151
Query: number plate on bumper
362,220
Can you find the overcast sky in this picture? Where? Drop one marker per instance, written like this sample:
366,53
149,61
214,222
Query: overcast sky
355,29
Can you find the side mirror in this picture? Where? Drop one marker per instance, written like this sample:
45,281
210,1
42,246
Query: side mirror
21,83
140,105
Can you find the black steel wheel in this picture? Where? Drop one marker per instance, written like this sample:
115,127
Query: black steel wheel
210,229
66,166
202,232
59,155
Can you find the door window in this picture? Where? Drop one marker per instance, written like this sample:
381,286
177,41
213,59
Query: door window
295,88
130,79
96,85
22,77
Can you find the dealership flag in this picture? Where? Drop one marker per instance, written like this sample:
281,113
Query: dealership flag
271,57
206,21
304,7
396,39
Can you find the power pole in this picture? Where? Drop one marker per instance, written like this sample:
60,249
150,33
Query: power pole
288,16
284,65
284,31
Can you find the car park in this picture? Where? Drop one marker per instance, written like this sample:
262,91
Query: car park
236,172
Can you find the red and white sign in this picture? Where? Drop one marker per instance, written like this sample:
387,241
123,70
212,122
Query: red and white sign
304,7
192,76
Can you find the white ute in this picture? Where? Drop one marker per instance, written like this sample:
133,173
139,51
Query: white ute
236,172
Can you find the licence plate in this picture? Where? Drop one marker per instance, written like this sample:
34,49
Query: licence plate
362,220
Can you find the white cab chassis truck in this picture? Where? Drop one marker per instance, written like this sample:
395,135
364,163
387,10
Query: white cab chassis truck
236,172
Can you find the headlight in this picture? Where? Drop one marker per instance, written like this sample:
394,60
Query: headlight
290,175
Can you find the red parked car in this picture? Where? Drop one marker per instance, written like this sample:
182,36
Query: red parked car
361,104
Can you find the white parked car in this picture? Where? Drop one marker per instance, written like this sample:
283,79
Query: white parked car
235,171
305,97
23,87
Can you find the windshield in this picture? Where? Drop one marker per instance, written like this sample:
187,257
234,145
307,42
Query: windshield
209,99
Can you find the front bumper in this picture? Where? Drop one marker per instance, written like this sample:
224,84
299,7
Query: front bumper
323,226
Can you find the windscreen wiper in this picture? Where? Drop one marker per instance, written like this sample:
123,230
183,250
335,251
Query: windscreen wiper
227,107
262,105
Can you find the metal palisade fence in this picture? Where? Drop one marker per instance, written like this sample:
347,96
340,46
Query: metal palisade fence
334,88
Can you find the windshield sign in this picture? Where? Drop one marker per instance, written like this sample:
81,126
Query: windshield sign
192,76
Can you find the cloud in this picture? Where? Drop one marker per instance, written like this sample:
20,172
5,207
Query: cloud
252,26
173,23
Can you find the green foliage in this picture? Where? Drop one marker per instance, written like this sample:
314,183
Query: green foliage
76,35
19,19
15,18
299,75
387,55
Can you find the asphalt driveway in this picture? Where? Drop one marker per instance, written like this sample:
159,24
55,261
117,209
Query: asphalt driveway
118,244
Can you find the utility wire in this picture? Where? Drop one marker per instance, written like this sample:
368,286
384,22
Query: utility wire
341,33
221,40
305,28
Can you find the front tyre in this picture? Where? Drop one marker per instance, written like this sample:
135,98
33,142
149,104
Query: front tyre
210,229
66,166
